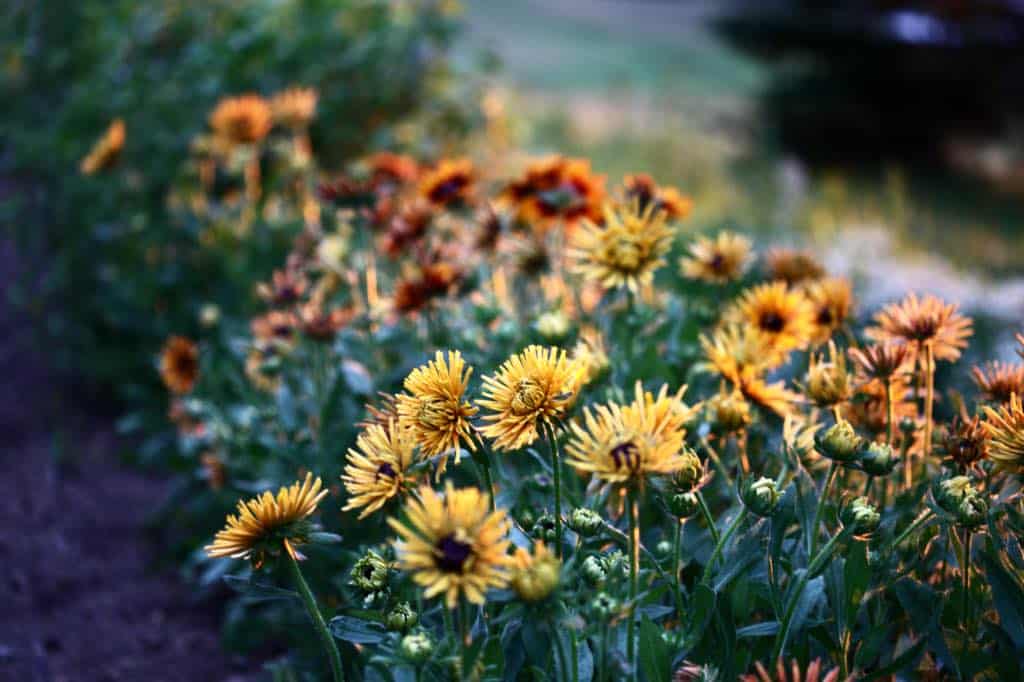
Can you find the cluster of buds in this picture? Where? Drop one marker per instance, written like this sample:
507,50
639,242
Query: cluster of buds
961,500
860,517
370,574
598,568
760,496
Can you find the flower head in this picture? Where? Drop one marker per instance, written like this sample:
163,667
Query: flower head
179,364
729,411
294,108
720,260
376,468
625,251
997,381
535,576
783,316
642,189
538,384
1005,426
556,188
860,517
793,266
878,459
105,153
839,442
832,302
760,496
590,352
452,544
267,523
881,361
242,120
828,382
450,182
966,442
795,673
918,321
433,409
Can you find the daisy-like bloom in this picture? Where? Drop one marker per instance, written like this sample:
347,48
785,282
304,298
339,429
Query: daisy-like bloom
881,361
556,188
720,260
376,468
242,120
433,409
320,324
105,153
453,545
866,409
1005,426
267,523
997,381
832,301
795,673
918,321
793,266
179,364
783,316
535,575
828,382
625,443
729,411
538,384
389,170
294,108
625,251
966,442
432,281
285,288
642,189
451,181
742,355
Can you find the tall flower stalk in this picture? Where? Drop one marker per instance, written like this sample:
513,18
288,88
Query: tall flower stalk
322,631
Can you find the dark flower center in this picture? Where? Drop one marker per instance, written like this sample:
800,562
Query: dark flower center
626,455
825,317
453,554
386,469
771,321
447,190
717,262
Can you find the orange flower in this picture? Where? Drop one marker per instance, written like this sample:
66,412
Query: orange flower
669,200
556,188
242,120
451,181
179,364
923,320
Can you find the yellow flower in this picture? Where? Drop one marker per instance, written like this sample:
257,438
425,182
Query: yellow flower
828,382
625,251
620,444
784,316
376,468
451,181
742,355
294,108
266,523
433,409
832,301
535,575
537,384
179,364
241,120
106,151
722,259
918,321
1005,427
453,545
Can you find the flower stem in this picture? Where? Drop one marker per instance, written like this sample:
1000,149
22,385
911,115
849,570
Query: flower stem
675,553
318,620
706,513
798,589
929,396
890,412
833,467
634,579
722,542
556,468
914,525
965,568
483,457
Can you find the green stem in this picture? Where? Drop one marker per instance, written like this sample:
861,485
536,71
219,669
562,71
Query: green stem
318,620
677,532
706,513
557,470
833,467
929,397
914,525
722,542
867,485
634,580
965,568
484,458
787,619
890,413
574,664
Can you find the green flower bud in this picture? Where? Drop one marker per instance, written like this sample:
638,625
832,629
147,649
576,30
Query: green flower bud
586,522
544,528
616,563
594,570
907,427
684,505
604,606
664,548
689,474
552,326
370,573
950,492
402,618
839,442
878,459
860,517
972,512
417,648
526,519
761,496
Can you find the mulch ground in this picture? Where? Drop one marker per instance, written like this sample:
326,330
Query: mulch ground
81,597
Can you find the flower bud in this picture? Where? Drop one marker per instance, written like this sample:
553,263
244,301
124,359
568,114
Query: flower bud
552,326
594,570
544,528
689,473
526,519
402,618
860,517
684,505
604,606
761,496
972,512
535,575
950,492
370,573
209,315
417,648
729,412
878,459
839,442
828,383
663,548
586,522
907,427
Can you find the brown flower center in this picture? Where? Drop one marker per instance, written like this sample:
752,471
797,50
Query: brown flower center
626,455
385,469
528,398
452,554
771,321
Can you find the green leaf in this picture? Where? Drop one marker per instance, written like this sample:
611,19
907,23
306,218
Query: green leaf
904,660
1008,596
702,607
765,629
357,631
257,591
856,578
654,656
